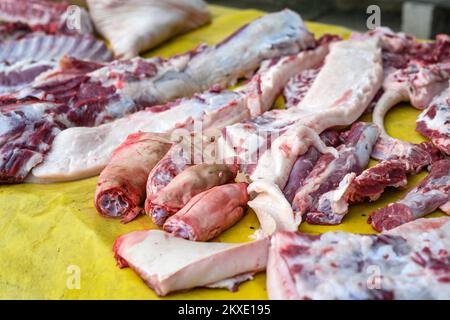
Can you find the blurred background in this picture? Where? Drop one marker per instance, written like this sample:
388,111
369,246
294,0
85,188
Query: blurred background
423,18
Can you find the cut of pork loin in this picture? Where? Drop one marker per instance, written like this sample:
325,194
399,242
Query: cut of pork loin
134,26
139,83
434,122
430,194
120,190
322,194
23,60
189,183
167,263
46,16
409,262
209,213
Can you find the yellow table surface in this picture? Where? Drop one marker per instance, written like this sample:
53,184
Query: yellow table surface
45,230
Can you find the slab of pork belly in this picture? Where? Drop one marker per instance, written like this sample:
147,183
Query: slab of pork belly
430,194
410,262
167,263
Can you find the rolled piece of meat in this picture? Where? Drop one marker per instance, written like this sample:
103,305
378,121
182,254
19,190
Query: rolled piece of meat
192,181
167,263
209,213
432,193
120,190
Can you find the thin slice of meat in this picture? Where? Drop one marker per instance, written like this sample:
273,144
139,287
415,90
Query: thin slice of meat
46,16
189,183
209,213
305,163
434,122
23,60
120,191
427,196
134,26
167,263
372,182
393,172
409,262
318,195
139,83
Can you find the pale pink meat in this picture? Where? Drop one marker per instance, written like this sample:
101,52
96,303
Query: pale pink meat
209,213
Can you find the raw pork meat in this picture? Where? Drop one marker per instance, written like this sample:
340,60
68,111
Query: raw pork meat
414,72
430,194
22,60
134,26
135,84
121,187
305,163
209,213
46,16
434,122
167,263
409,262
392,172
127,86
322,195
192,181
270,144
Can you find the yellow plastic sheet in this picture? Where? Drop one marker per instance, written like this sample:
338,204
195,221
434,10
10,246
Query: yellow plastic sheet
51,236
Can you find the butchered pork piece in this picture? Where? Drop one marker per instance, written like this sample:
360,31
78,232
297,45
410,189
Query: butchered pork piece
322,194
120,190
167,263
137,84
209,213
133,26
431,193
434,122
409,262
189,183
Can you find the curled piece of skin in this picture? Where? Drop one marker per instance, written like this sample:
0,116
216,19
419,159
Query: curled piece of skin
167,263
209,213
274,212
183,187
121,187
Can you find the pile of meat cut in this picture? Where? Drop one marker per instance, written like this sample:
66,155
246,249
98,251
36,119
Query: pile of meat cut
170,141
